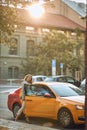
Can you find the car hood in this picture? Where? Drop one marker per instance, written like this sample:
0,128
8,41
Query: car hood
80,99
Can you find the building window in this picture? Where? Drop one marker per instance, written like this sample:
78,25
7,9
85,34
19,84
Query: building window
13,48
13,72
16,72
45,30
30,48
29,28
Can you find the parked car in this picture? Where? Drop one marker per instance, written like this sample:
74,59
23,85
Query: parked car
54,100
63,78
37,78
18,82
83,83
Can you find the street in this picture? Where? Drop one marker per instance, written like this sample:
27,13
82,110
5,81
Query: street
6,114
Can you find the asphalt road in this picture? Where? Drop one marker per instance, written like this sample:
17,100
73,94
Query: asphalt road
6,114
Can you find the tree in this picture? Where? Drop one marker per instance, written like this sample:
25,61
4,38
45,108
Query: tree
77,63
7,22
8,19
57,46
9,16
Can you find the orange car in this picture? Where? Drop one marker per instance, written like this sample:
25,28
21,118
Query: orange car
59,101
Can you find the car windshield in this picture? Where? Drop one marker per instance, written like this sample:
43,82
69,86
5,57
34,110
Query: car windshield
49,79
66,90
39,78
83,82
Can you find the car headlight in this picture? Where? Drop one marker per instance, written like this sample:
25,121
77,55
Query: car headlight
79,107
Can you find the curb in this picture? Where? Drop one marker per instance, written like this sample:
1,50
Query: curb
12,125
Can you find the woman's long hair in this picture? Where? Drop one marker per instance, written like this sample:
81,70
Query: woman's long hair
28,75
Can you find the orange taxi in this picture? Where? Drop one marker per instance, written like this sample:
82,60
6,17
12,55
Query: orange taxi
59,101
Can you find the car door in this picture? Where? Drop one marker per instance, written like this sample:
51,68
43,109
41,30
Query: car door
39,105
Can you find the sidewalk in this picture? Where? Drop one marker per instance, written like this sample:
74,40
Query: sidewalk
12,125
6,123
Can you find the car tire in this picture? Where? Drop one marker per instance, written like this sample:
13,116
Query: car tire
65,118
16,107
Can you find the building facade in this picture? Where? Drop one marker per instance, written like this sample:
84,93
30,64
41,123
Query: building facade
62,17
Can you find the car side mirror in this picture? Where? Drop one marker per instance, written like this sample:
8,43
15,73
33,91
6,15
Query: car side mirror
47,95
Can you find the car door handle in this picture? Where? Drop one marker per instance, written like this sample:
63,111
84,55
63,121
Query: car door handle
28,100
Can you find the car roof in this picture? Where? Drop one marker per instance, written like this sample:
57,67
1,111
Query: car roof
39,76
60,76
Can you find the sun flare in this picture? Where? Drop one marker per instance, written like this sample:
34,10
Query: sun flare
36,10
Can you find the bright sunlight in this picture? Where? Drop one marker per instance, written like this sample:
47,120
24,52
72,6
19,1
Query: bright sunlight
36,10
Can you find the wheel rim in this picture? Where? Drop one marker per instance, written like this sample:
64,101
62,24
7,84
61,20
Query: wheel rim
65,118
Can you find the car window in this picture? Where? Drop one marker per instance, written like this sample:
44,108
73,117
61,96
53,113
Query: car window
83,82
54,79
41,91
70,80
61,79
44,77
66,90
38,90
39,79
49,79
31,90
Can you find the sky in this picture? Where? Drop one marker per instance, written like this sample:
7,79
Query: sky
82,1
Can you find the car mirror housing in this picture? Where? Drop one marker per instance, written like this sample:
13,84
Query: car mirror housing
47,95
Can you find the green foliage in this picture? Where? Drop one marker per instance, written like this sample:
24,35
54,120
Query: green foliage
58,47
55,46
9,17
8,20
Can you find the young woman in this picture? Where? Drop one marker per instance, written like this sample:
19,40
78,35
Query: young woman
27,81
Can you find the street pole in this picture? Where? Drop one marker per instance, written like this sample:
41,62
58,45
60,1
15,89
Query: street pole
53,67
86,73
61,68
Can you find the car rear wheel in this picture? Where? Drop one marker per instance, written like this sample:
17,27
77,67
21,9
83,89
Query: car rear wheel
65,118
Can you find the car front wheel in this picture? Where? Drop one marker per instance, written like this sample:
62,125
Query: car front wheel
65,118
